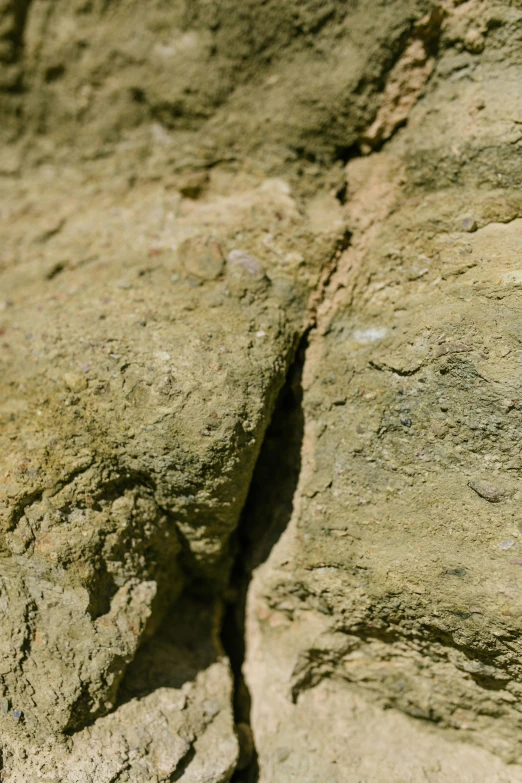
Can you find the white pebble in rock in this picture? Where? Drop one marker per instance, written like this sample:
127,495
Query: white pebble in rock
237,260
201,258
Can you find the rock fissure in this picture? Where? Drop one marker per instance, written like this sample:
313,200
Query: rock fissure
224,558
266,514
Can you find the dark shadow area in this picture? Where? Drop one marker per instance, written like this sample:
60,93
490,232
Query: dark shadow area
185,644
266,514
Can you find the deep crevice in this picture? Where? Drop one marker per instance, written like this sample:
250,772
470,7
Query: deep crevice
347,152
187,634
264,518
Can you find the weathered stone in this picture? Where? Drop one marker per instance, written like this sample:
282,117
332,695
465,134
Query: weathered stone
174,221
234,71
162,727
132,416
395,582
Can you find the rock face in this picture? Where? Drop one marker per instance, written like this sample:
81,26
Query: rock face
177,223
173,720
138,382
398,579
94,73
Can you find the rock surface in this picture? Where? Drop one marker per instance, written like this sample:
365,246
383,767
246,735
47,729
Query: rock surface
399,576
96,72
201,309
138,381
173,720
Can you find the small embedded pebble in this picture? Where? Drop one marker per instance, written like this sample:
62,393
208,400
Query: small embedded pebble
74,381
201,257
193,184
460,572
370,335
245,263
469,224
17,715
506,544
446,348
439,429
4,706
415,273
490,492
474,41
124,284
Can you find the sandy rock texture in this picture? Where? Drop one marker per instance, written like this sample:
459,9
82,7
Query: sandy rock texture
259,391
398,579
173,721
96,73
139,377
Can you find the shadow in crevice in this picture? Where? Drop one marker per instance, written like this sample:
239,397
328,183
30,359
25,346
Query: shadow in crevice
200,624
265,516
186,643
14,18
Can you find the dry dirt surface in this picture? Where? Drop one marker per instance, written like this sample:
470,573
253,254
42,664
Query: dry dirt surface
260,285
